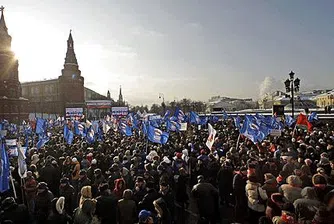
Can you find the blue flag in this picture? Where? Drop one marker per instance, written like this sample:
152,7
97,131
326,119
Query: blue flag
156,135
313,117
69,138
254,131
144,128
125,129
167,115
289,121
225,116
214,119
66,130
41,125
237,121
172,125
90,136
194,118
42,140
180,116
5,169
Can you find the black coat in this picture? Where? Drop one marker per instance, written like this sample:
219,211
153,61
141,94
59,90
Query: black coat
225,179
106,209
147,202
181,189
206,195
43,206
68,193
17,214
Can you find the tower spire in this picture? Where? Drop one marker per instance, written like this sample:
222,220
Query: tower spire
70,59
3,27
120,97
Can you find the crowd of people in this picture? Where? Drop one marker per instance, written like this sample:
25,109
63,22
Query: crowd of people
126,180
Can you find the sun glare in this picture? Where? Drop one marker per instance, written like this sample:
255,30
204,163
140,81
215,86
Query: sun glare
36,45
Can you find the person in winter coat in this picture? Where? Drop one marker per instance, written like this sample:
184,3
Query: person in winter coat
225,183
140,189
292,190
320,186
85,214
274,205
30,189
83,179
75,173
127,211
151,195
58,214
270,184
98,180
43,203
164,216
256,199
67,191
181,188
14,212
106,206
86,193
49,174
206,196
119,188
168,196
287,216
306,207
239,184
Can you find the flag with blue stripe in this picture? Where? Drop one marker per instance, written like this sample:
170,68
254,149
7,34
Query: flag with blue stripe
41,126
5,169
155,135
172,125
313,117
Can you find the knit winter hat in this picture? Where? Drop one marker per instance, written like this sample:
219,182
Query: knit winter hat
60,205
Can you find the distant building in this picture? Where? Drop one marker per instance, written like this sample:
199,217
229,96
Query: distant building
325,99
120,101
302,99
52,97
218,103
13,106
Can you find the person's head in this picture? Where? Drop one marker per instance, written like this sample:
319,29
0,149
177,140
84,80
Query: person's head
104,189
268,176
82,174
127,194
309,193
319,181
145,217
200,179
329,200
243,170
294,181
97,172
164,186
252,178
88,207
60,205
64,182
139,181
42,187
86,192
8,203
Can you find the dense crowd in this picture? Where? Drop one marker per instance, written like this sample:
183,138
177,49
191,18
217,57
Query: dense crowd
127,180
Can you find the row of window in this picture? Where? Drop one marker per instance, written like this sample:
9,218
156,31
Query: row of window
36,90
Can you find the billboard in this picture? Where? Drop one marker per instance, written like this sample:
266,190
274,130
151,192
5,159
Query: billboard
73,112
119,111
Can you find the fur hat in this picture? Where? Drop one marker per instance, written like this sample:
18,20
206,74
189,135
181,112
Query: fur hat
319,179
294,180
60,205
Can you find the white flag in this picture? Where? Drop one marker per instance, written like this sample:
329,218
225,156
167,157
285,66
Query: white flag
211,138
22,166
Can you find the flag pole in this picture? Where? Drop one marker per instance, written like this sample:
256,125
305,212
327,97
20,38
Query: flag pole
12,181
238,141
22,185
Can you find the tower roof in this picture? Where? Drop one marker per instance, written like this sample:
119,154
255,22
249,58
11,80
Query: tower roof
70,54
3,27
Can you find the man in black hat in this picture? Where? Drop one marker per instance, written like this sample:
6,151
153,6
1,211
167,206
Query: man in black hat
43,203
106,205
206,195
67,191
239,185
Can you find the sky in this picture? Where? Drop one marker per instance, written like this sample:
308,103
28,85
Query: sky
181,48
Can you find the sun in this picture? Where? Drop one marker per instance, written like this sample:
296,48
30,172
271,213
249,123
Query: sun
37,45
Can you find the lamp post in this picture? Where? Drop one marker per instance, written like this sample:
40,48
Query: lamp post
292,85
161,96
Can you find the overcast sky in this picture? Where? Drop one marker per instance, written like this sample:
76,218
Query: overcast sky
181,48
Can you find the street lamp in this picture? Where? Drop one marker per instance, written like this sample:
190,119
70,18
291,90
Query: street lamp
161,96
292,85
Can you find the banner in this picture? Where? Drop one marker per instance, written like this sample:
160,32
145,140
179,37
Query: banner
184,126
73,112
119,111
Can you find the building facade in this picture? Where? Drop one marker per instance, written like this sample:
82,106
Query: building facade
12,105
325,99
53,96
